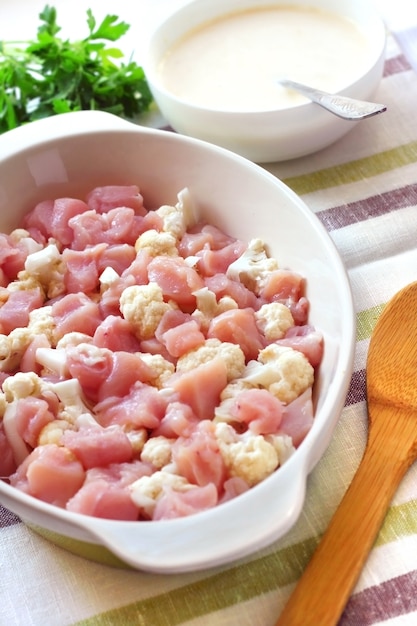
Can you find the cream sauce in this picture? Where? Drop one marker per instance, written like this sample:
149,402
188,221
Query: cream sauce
232,63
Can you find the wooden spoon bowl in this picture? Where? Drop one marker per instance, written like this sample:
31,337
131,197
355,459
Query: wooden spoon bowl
322,592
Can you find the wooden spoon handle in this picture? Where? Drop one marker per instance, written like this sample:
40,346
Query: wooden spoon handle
323,590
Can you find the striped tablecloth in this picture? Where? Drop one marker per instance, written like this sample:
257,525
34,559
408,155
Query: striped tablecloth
364,190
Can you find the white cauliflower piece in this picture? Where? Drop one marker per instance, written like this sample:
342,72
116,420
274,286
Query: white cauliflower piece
107,277
41,322
283,445
253,266
73,338
158,451
137,438
53,361
176,219
246,456
47,267
157,243
24,282
73,406
13,345
285,372
235,387
273,320
161,368
230,353
207,306
146,491
22,385
53,431
3,404
143,306
22,236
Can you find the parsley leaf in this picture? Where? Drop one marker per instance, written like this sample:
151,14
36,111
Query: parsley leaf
51,75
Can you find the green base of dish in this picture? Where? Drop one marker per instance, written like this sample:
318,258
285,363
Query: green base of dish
90,551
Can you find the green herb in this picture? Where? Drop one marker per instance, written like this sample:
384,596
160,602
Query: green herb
50,75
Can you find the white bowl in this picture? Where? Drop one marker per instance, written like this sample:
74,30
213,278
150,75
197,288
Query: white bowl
72,153
263,135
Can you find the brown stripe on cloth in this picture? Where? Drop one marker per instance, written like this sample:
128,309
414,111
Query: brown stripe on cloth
7,518
396,64
347,214
357,388
392,598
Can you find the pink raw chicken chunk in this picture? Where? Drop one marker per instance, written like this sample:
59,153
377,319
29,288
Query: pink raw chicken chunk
175,504
238,326
98,447
210,377
197,457
177,280
15,311
105,491
103,199
142,407
259,410
75,312
50,473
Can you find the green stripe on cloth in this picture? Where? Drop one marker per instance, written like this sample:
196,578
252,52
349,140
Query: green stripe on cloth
354,171
240,583
400,521
214,593
366,320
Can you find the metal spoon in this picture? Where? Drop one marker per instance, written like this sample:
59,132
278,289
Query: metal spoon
342,106
323,590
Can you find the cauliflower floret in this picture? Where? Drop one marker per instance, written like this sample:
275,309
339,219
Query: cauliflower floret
73,338
247,456
253,266
25,282
21,235
157,243
176,219
107,277
23,384
230,353
207,306
143,306
137,438
47,267
13,345
53,431
283,445
3,404
41,322
285,372
148,489
235,387
157,451
53,361
73,406
161,367
274,319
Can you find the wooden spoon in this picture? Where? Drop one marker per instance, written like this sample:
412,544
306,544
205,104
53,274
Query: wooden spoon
324,589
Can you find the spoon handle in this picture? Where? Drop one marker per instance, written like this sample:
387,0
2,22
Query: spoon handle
324,589
342,106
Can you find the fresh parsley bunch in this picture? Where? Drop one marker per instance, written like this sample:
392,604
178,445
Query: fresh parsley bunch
51,75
